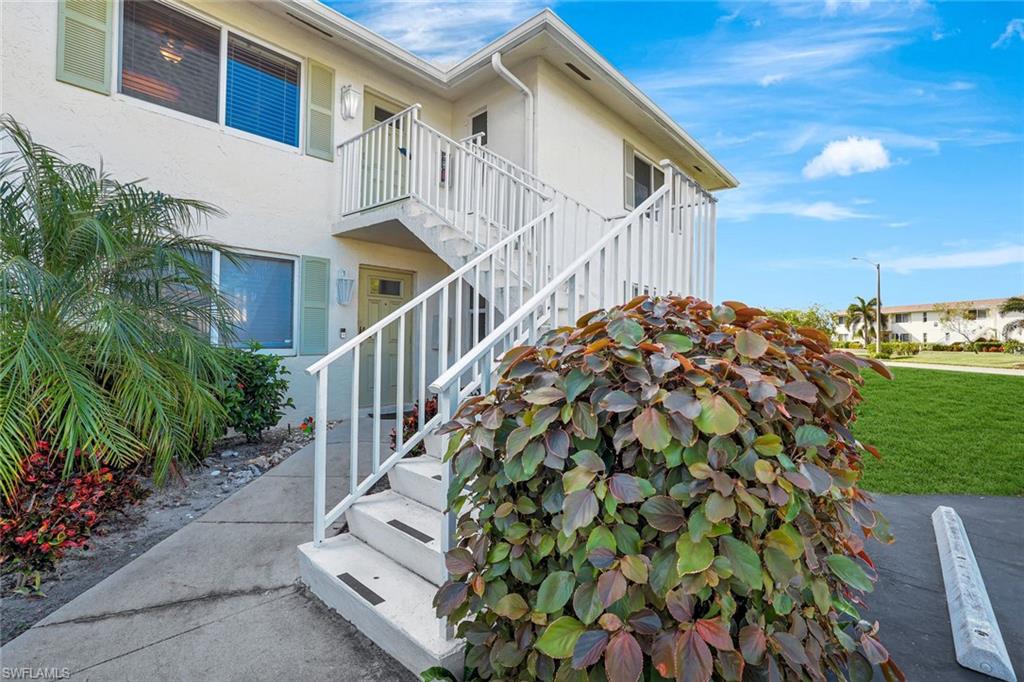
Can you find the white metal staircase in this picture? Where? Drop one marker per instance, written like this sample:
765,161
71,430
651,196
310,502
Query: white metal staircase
525,259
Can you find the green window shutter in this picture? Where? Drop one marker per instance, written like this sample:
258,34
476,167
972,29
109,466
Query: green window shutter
316,296
629,177
320,111
84,36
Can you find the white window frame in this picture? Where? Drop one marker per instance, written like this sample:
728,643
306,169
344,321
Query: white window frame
654,167
296,281
222,86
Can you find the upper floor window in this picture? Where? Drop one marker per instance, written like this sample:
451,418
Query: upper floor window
977,314
170,58
642,177
901,318
479,127
924,316
262,94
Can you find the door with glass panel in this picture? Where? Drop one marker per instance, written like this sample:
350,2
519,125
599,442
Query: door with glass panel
385,151
381,292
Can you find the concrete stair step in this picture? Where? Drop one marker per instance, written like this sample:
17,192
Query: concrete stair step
387,602
434,445
405,530
419,478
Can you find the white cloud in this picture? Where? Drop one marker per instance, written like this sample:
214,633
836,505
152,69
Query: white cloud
901,223
798,56
1014,29
832,7
983,258
742,211
728,18
771,79
442,32
961,85
849,156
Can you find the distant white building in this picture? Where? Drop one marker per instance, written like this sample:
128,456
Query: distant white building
921,323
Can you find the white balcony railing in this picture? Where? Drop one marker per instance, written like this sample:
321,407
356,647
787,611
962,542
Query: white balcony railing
403,157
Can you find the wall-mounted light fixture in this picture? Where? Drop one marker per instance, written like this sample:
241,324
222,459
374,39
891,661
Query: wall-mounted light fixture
345,286
349,102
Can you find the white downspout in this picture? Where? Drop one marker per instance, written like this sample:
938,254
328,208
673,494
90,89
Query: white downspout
528,153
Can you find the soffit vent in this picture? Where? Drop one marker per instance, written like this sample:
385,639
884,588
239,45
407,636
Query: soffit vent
575,69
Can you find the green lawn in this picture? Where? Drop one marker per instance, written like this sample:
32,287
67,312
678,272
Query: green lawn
936,357
943,432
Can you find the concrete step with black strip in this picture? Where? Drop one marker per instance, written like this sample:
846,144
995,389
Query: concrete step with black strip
419,478
387,602
401,528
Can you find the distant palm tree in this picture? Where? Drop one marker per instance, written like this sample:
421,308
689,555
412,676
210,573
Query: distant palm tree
101,300
1014,304
862,314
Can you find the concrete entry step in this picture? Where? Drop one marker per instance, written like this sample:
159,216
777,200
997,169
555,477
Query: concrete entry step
401,528
387,602
419,478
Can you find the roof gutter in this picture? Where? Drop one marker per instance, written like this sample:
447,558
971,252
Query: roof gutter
529,116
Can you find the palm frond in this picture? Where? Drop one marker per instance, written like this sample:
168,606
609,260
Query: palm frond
106,316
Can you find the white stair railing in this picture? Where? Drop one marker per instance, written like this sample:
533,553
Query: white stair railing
579,223
403,157
528,277
648,251
428,333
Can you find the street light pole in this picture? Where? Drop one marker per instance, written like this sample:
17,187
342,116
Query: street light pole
878,303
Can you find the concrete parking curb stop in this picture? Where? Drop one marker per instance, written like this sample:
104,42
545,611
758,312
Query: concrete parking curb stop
976,636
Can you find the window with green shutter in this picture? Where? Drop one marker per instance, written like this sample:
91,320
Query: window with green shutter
320,111
316,296
84,34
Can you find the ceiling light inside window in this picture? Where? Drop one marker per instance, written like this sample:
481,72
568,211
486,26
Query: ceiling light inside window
171,50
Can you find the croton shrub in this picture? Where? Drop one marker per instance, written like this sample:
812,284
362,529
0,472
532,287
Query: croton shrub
668,490
47,514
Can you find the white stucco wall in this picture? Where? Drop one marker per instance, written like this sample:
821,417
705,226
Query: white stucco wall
277,199
580,142
505,113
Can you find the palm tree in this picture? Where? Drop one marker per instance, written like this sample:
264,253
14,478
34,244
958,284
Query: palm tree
1014,304
861,314
101,300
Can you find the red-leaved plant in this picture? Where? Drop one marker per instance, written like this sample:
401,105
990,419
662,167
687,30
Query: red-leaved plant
47,515
411,424
669,490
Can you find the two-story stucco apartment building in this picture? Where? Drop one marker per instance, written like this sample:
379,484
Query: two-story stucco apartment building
399,226
922,323
243,104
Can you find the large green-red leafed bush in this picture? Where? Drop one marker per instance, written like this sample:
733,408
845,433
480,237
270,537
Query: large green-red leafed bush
667,490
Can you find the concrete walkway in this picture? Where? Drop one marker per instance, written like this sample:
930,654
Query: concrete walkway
218,600
959,368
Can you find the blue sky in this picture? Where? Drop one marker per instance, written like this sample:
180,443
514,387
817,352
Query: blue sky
893,131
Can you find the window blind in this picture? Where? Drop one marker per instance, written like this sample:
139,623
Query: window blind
262,293
262,91
170,59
